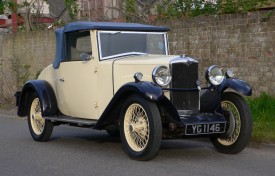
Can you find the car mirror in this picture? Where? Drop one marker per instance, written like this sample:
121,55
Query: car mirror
85,57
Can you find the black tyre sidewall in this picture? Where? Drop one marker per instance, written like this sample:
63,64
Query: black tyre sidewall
246,125
155,129
48,128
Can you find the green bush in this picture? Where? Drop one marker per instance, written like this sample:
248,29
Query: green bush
263,112
190,8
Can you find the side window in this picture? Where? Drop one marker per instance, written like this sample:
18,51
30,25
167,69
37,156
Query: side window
77,43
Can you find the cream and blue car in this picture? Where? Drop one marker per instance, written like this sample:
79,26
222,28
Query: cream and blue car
119,77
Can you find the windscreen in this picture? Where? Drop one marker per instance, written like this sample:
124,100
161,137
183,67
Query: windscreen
113,44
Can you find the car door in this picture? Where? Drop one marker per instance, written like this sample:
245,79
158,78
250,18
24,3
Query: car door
77,79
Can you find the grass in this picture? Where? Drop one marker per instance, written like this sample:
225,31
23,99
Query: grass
263,114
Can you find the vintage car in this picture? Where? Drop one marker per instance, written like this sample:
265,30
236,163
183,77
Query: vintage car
119,77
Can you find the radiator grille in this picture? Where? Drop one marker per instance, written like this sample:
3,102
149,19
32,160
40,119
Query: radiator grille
185,75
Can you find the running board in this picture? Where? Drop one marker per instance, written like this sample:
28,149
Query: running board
73,120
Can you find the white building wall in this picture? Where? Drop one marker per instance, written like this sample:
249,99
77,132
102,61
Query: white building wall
40,5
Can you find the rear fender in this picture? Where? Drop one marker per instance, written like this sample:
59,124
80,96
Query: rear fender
46,96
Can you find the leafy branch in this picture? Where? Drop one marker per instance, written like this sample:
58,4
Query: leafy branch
190,8
72,9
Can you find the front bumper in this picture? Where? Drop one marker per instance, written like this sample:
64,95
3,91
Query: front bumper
198,125
203,124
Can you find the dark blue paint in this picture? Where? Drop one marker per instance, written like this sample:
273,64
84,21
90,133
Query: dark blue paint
237,85
59,54
46,96
147,90
85,25
210,99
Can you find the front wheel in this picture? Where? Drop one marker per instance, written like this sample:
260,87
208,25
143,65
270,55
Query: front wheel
40,128
140,128
239,129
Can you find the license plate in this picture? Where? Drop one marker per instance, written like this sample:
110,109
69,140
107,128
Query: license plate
207,128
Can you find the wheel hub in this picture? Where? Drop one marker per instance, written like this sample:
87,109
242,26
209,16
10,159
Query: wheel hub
37,122
232,125
136,127
131,128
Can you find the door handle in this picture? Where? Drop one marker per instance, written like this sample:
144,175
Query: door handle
61,80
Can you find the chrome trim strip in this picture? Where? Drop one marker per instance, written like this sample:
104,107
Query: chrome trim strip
182,59
127,32
124,54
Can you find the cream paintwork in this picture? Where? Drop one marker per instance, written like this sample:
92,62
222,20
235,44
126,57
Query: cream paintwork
88,85
76,95
49,74
105,84
124,69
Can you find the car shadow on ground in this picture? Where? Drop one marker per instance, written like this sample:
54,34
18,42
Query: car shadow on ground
93,139
103,137
84,134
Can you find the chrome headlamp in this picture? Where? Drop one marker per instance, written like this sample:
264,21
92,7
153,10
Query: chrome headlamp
214,75
138,76
161,75
229,73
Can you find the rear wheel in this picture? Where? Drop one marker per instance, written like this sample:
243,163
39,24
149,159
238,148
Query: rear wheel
140,128
40,128
240,125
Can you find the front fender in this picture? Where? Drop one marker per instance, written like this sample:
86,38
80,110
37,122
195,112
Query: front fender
236,84
46,96
147,90
210,99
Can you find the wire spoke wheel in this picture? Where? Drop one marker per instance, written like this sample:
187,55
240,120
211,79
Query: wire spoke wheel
140,128
37,122
40,128
136,127
239,121
234,126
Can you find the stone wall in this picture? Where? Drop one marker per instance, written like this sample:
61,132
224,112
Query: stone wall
22,57
243,42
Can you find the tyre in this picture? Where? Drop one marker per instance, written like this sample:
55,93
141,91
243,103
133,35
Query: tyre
40,128
113,132
239,128
140,128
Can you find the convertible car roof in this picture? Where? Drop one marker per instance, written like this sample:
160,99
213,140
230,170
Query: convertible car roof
82,26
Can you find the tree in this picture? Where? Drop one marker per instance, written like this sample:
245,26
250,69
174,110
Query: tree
72,9
32,11
137,10
190,8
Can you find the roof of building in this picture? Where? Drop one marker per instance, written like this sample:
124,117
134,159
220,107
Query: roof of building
81,25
